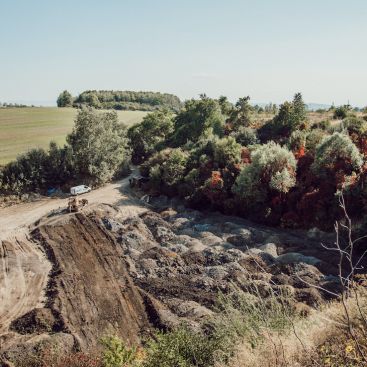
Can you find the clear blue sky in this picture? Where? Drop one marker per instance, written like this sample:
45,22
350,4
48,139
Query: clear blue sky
268,49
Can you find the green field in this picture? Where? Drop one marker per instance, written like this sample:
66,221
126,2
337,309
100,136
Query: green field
24,128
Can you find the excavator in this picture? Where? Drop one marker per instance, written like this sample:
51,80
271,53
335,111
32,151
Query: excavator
75,204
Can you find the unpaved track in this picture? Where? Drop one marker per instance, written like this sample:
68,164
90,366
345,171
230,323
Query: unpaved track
23,276
23,265
15,220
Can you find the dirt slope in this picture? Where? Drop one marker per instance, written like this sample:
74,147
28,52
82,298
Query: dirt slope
24,267
92,293
23,277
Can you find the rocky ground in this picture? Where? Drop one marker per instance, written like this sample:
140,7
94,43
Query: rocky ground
113,275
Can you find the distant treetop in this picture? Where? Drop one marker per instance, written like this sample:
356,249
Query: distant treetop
127,100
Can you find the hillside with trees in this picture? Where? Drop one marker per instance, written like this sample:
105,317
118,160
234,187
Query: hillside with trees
286,171
121,100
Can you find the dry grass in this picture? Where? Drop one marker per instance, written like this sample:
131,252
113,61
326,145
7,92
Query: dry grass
22,129
307,343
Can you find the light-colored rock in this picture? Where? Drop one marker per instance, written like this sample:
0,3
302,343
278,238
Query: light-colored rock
295,257
270,248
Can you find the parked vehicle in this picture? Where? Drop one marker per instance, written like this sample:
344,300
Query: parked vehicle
81,189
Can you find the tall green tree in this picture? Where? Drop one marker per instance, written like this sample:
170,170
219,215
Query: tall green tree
145,137
196,118
98,142
65,99
241,115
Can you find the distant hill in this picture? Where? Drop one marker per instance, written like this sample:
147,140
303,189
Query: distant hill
317,106
128,100
309,106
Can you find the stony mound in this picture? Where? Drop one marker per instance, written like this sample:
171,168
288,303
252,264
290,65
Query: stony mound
126,276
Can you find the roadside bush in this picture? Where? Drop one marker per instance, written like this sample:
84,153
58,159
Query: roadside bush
99,145
96,151
27,173
145,137
166,168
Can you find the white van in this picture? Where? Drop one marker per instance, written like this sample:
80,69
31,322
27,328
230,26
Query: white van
81,189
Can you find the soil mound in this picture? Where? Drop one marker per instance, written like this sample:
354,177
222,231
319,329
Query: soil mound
119,276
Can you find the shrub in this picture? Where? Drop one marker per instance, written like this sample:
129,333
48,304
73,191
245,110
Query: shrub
291,117
145,137
336,152
116,354
272,167
196,118
226,152
313,139
355,126
297,143
166,168
181,347
322,125
245,136
341,112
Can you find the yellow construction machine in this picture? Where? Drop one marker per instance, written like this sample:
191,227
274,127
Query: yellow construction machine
75,204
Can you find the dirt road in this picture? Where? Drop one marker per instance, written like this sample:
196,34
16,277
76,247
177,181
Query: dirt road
15,220
24,267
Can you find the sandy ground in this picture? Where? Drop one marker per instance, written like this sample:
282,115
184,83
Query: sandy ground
15,220
24,267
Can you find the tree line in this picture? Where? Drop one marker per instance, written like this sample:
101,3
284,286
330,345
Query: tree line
120,100
285,171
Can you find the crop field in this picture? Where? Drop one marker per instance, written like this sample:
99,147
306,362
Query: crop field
22,129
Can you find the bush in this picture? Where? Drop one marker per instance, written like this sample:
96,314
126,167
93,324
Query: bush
272,167
166,168
245,136
181,348
116,354
226,152
313,139
144,138
196,118
241,316
291,117
297,143
341,112
336,153
322,125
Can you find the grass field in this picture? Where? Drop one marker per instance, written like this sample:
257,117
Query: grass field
24,128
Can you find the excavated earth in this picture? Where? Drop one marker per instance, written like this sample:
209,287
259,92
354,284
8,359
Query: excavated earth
112,275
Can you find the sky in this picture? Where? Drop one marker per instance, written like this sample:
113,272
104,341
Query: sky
268,49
